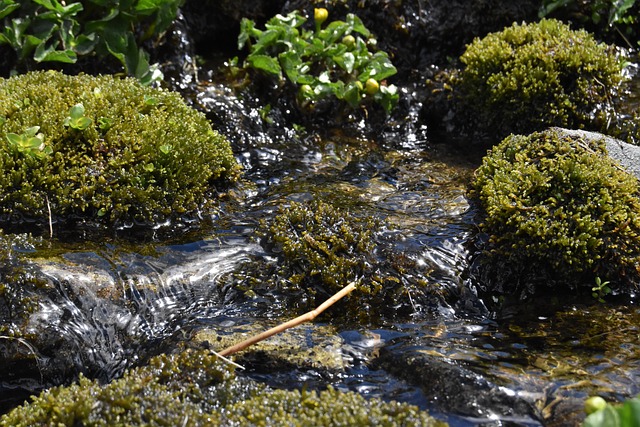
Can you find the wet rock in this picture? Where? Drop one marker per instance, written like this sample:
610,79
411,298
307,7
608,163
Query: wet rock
453,387
627,155
305,347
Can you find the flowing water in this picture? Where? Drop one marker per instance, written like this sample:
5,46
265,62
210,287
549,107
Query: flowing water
110,305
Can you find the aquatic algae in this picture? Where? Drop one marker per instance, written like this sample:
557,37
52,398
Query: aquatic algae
531,76
558,209
195,388
106,150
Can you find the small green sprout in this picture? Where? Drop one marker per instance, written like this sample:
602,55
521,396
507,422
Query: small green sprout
30,142
76,119
601,289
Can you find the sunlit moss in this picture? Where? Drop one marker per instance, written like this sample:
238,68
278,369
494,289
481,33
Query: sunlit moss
530,76
559,209
144,155
321,245
194,388
315,249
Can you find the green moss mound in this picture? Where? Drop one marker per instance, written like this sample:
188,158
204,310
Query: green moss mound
531,76
104,149
194,388
315,249
559,210
321,244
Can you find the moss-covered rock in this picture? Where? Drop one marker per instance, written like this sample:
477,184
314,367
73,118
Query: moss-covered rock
194,388
316,248
558,210
105,150
531,76
321,245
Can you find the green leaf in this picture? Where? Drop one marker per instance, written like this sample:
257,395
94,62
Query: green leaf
265,63
45,53
82,123
14,138
7,7
607,417
356,24
352,95
32,131
32,143
291,63
346,61
630,413
77,111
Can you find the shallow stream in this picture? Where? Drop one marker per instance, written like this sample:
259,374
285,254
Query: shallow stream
111,305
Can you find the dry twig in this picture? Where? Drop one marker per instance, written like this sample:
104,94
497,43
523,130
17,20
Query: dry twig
307,317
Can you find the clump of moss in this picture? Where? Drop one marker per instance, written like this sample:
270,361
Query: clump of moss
317,249
323,248
531,76
560,210
194,388
106,150
327,408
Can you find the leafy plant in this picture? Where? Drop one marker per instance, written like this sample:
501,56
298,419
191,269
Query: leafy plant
52,30
76,119
30,142
621,16
601,413
336,61
601,289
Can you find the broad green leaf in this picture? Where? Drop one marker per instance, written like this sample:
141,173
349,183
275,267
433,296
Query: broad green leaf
85,44
346,61
32,143
291,64
607,417
76,111
6,7
352,95
630,413
31,131
45,54
356,24
14,138
147,7
264,63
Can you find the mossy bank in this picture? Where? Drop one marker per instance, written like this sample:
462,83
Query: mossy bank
194,388
104,150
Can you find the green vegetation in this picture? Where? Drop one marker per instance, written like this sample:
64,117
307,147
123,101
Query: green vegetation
338,61
559,210
531,76
323,248
619,17
106,150
54,31
601,414
194,388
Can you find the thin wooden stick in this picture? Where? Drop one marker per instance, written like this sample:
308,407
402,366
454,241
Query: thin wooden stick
307,317
50,221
